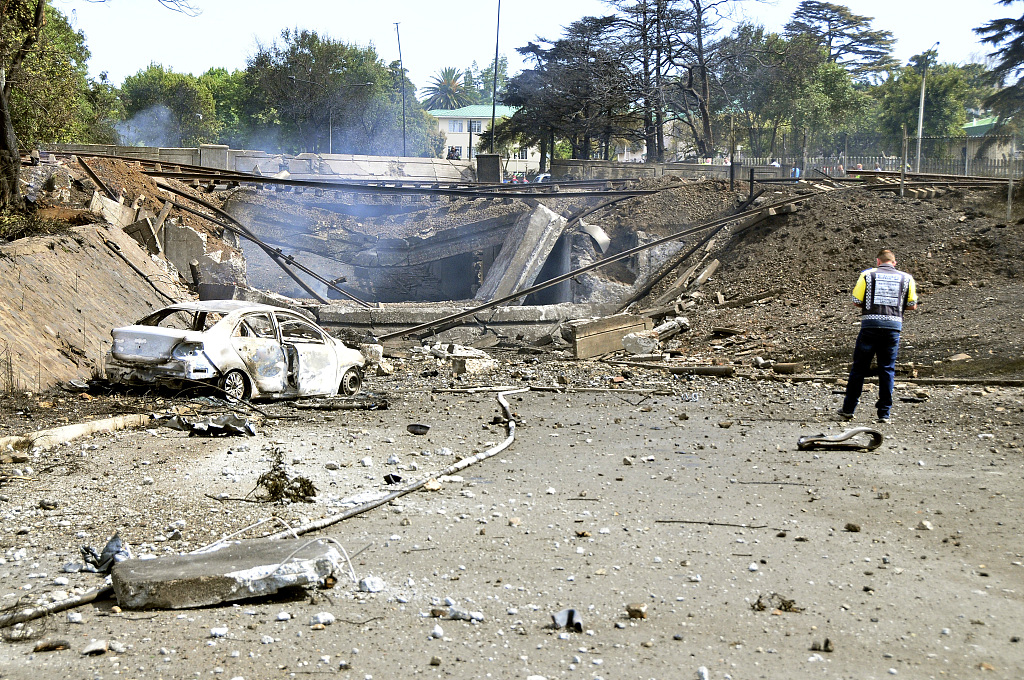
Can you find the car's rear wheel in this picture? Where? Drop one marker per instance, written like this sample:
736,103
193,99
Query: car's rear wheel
351,381
236,385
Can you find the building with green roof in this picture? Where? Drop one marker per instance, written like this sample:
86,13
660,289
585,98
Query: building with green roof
463,126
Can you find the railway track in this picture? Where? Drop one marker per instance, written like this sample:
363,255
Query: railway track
198,176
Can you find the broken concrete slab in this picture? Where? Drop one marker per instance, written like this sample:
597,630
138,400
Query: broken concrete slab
144,232
593,337
523,254
231,571
112,211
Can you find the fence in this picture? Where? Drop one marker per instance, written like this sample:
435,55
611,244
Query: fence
988,156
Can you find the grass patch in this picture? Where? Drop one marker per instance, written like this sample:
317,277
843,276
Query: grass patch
15,225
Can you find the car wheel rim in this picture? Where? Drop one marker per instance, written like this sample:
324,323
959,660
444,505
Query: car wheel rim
350,383
234,385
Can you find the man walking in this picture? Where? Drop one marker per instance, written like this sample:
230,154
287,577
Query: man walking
882,293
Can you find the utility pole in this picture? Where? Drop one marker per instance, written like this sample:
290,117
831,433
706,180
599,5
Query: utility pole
494,80
401,65
903,162
920,108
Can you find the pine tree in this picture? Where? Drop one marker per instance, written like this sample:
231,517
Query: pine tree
848,37
1007,36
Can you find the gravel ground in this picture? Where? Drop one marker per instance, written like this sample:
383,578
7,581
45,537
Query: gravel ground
691,498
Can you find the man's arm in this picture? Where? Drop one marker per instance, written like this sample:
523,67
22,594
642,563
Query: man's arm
911,295
859,291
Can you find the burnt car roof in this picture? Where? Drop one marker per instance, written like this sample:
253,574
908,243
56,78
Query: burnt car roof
227,306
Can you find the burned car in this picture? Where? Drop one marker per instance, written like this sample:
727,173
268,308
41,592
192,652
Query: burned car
247,350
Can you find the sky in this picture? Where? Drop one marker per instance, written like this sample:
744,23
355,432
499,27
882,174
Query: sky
125,36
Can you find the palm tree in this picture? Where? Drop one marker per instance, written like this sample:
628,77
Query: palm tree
446,90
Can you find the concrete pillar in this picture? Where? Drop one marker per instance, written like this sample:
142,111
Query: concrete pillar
213,156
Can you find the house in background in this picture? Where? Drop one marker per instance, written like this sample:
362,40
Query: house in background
462,128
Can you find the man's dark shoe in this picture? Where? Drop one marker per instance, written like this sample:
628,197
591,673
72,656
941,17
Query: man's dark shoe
843,415
883,420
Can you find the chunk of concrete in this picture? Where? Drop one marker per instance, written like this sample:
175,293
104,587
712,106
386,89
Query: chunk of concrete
234,571
644,342
523,254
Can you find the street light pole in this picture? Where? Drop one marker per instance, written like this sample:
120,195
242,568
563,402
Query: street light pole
920,108
494,79
401,65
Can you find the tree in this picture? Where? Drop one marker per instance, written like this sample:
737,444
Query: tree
694,49
164,108
575,91
46,104
230,92
480,82
848,37
309,92
446,90
765,82
1007,37
945,96
21,22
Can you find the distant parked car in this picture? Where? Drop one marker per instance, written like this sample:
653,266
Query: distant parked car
542,177
247,350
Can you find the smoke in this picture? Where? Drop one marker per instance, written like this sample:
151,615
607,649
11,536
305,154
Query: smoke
154,126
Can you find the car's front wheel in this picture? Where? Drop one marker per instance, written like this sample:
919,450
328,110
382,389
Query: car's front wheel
351,381
236,385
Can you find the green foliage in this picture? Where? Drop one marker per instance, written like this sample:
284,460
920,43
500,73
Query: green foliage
46,88
15,224
479,82
306,83
946,92
164,108
230,93
1007,37
847,37
446,90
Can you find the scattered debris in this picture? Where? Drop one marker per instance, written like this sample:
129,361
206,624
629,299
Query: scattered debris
102,562
825,646
225,572
569,619
775,602
841,441
227,424
51,645
637,610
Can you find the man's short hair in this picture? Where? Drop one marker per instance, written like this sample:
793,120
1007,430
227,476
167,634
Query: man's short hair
886,255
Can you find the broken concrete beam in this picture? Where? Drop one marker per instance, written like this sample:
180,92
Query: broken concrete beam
593,337
523,254
231,571
706,274
145,234
112,211
752,298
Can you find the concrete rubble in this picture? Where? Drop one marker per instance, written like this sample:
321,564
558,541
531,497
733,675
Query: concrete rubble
229,571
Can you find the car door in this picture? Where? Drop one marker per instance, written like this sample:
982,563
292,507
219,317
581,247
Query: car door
313,364
255,341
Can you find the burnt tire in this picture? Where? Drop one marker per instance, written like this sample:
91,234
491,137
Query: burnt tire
236,385
351,382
